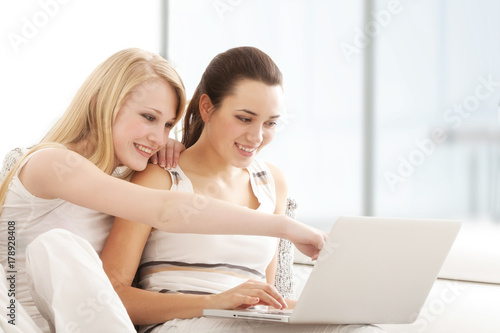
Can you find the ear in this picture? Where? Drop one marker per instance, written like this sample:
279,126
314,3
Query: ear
205,107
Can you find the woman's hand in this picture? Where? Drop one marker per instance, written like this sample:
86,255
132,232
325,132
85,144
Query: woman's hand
306,239
248,294
168,156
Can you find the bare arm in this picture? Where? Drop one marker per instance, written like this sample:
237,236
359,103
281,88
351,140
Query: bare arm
60,173
281,186
121,256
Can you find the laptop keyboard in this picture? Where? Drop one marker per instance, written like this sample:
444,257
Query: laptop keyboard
286,312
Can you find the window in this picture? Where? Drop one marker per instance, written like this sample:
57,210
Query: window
429,159
434,69
318,144
437,97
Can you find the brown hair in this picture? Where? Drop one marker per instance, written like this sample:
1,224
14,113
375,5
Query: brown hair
219,80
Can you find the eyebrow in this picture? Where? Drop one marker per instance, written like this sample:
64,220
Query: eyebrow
256,115
157,111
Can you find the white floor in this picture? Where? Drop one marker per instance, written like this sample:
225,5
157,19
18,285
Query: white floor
457,307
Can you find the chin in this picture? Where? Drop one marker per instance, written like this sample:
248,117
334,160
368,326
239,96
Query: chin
243,164
137,165
142,167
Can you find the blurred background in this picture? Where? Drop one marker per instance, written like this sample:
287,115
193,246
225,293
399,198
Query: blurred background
392,107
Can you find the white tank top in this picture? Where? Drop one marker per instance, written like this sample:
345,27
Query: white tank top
209,264
27,216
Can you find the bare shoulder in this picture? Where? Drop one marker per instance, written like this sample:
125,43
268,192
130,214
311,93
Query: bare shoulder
47,168
153,176
53,158
281,186
279,177
56,164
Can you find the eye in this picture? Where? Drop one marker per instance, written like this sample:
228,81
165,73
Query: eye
148,117
271,124
244,119
169,125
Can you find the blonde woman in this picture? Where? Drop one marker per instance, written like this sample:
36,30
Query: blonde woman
231,117
58,201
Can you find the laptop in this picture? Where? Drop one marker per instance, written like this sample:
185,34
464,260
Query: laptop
371,270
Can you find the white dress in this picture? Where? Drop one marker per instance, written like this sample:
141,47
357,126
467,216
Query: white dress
59,257
211,264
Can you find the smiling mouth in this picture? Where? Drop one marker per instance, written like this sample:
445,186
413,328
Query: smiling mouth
144,149
248,150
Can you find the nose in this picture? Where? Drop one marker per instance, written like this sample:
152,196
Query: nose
159,136
254,134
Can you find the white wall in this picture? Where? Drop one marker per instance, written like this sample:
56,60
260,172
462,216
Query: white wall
49,47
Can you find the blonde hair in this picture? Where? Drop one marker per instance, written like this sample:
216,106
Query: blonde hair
94,108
